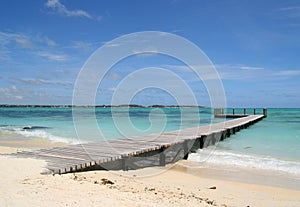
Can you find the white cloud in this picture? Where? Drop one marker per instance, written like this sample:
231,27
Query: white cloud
51,56
178,67
150,52
287,73
113,76
40,45
48,41
61,9
250,68
82,45
112,89
39,81
19,97
20,39
108,44
238,71
15,95
238,67
23,41
11,93
291,12
4,53
225,71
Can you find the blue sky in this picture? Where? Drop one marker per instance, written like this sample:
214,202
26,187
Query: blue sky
254,45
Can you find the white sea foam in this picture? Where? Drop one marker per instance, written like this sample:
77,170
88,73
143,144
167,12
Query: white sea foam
44,135
222,157
37,133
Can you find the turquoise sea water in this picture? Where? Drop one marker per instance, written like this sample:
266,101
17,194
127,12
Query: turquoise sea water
273,143
56,124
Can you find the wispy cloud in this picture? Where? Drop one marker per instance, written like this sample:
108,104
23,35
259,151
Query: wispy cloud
239,72
11,94
51,56
34,44
61,9
225,71
113,89
82,46
19,39
113,76
177,31
9,41
23,41
290,12
249,68
16,95
48,41
4,53
109,44
150,52
40,81
287,73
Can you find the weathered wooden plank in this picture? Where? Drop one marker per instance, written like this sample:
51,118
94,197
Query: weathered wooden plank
84,151
75,156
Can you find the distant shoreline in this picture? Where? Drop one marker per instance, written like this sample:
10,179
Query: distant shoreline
98,106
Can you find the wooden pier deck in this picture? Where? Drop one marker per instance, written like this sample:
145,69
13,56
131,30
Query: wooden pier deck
137,152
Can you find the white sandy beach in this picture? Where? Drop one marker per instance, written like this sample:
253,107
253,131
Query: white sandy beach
22,184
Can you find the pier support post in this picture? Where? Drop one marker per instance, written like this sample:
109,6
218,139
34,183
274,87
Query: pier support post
223,135
233,111
201,142
185,150
265,112
254,111
245,111
124,165
162,157
213,138
228,133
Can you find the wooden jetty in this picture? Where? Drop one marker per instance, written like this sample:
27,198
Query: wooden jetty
137,152
219,113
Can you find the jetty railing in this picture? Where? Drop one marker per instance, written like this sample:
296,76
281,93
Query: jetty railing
231,112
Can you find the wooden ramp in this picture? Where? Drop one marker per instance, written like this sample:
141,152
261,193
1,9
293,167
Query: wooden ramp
137,152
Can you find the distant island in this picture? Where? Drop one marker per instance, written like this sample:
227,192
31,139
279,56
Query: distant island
98,106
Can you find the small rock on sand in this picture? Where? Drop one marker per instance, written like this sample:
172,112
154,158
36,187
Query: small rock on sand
106,181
